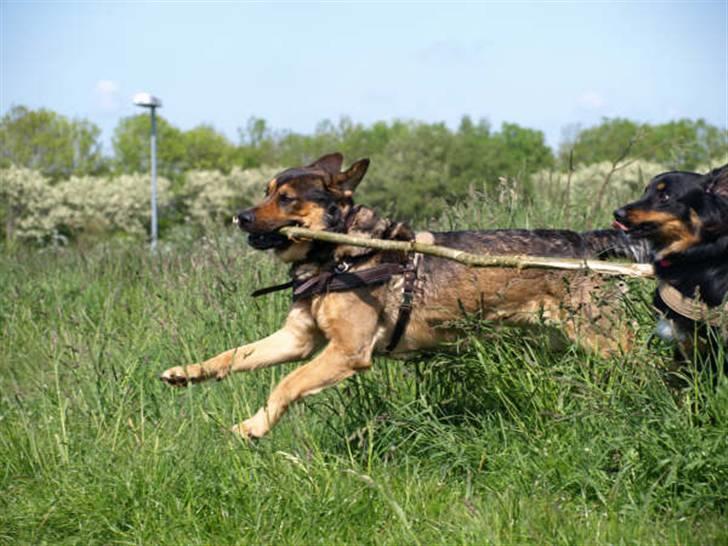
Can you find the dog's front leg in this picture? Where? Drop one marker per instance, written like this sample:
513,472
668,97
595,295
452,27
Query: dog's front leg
296,340
333,365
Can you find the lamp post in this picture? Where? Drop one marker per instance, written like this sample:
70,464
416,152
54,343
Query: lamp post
147,100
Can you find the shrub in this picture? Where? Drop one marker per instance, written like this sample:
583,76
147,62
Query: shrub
26,202
118,204
212,196
36,210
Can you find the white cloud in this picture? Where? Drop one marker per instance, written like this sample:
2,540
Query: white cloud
107,94
591,100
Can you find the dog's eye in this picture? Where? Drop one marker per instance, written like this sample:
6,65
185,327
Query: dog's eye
284,199
663,196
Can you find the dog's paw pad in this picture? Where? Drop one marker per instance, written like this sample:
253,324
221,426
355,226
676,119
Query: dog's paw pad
178,376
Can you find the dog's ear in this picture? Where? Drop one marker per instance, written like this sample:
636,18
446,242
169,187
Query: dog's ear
331,163
716,181
349,179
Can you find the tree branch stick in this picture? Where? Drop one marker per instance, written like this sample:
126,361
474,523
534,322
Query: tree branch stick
476,260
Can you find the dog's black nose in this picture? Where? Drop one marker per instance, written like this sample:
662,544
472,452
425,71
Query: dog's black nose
620,214
246,218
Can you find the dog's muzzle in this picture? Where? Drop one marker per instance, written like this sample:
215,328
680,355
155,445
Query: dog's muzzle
260,240
620,220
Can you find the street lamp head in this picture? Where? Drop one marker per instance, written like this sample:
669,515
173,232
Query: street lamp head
147,100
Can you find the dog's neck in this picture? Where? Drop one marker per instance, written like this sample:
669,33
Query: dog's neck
701,268
359,221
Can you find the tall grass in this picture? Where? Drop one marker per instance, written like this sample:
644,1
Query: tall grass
497,442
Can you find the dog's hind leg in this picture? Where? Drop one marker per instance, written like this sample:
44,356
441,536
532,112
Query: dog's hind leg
351,326
296,340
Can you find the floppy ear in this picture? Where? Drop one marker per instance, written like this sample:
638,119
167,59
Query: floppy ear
717,181
331,163
350,178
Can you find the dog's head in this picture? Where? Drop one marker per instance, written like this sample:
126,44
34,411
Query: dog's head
317,196
676,210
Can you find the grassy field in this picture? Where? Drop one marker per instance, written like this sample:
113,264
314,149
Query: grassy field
501,443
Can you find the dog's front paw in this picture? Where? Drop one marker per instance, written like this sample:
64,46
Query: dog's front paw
181,376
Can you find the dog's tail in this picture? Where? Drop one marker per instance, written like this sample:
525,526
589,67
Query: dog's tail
612,243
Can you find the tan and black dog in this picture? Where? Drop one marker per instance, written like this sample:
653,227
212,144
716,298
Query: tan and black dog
684,215
354,302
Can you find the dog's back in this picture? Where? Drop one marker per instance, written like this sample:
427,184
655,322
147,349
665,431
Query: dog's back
602,243
581,303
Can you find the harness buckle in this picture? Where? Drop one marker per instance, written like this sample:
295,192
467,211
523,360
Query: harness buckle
342,267
407,298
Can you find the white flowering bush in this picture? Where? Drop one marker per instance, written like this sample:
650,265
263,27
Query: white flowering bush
212,196
34,209
100,204
583,199
586,197
26,202
631,176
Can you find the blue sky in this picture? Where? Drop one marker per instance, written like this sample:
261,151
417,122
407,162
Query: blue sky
543,65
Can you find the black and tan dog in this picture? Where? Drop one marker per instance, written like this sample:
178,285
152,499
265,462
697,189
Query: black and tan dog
685,217
354,302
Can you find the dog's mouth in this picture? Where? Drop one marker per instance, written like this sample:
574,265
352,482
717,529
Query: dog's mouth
268,240
620,226
273,239
637,231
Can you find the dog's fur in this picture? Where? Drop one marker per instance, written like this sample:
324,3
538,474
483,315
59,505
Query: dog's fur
353,325
685,217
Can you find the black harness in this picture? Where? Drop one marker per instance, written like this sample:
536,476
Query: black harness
340,279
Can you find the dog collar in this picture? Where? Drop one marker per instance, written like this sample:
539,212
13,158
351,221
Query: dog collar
692,308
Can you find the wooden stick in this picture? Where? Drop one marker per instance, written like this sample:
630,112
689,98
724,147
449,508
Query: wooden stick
476,260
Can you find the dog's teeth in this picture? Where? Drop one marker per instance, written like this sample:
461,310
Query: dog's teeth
236,221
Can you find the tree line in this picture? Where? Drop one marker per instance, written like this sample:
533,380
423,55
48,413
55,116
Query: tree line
417,167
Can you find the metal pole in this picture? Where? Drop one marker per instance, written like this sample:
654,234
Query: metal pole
154,178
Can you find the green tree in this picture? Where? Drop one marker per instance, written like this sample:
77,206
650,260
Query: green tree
605,142
49,142
257,144
205,148
480,157
131,146
682,144
410,178
519,150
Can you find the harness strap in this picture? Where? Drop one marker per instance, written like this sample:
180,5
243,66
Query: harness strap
334,281
340,281
405,308
692,308
337,281
269,289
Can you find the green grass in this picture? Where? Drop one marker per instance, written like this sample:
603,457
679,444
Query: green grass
502,443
